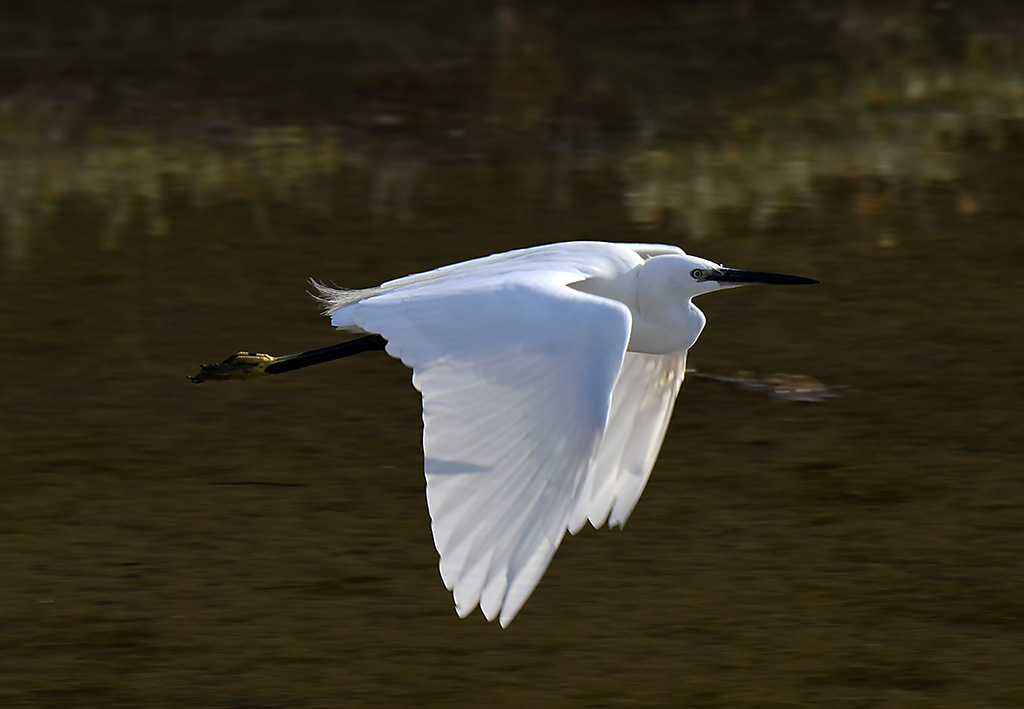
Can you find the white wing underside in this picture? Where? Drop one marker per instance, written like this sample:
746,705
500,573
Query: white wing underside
641,407
535,419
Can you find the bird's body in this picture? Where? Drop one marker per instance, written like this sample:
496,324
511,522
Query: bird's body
605,269
548,377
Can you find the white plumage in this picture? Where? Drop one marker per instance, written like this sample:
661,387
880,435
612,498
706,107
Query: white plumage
548,378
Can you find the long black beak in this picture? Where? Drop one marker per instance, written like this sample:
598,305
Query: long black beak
740,277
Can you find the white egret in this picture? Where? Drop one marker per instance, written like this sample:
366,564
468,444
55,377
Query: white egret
548,377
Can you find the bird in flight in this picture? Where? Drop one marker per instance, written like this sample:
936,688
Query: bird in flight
548,377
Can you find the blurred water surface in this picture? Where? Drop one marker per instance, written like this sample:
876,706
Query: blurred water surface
172,173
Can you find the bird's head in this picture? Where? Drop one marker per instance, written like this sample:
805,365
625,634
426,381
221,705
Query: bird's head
689,276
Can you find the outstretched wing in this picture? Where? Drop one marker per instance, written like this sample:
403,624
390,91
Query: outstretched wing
517,376
642,403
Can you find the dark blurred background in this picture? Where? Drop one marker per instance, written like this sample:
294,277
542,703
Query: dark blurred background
171,173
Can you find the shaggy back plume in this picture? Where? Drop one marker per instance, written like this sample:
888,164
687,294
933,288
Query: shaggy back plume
331,297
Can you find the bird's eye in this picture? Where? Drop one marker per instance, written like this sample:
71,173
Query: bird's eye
697,274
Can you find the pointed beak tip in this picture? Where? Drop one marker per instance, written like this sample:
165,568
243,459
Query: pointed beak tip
740,277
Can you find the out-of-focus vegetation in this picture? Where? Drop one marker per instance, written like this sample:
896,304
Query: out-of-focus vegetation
126,104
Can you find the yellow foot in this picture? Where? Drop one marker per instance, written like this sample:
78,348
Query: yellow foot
241,365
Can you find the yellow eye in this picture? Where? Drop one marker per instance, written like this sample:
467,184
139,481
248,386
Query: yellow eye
697,274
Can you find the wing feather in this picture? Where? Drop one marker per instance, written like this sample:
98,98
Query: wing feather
516,374
642,404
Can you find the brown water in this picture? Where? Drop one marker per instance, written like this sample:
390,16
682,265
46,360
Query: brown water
171,174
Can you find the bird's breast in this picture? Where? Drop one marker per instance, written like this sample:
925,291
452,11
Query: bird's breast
666,330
